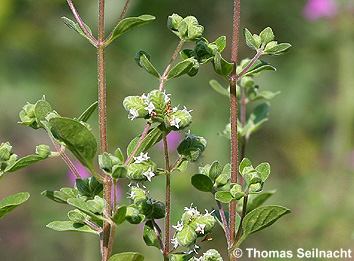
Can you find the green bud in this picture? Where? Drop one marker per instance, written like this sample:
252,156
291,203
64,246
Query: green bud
5,151
252,177
211,255
119,171
135,105
186,237
256,187
215,170
77,216
145,207
133,215
159,101
203,224
179,120
137,194
141,171
173,22
192,147
105,162
43,151
236,191
159,210
222,180
27,116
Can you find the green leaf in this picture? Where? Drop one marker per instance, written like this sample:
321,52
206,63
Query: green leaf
258,117
119,216
182,256
11,202
128,24
181,166
88,112
154,136
257,67
245,163
61,196
224,196
278,49
250,41
41,110
264,170
202,182
84,207
181,68
262,217
142,58
24,162
267,36
215,170
127,256
77,138
77,28
221,43
70,226
89,187
221,66
218,88
149,235
254,201
119,154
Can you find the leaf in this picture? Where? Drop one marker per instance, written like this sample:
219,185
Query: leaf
245,163
182,256
221,43
77,28
76,137
11,202
264,170
41,110
181,68
142,58
257,67
61,196
149,235
127,256
278,49
258,117
88,112
154,136
202,182
221,66
218,88
70,226
262,217
24,162
250,41
224,196
267,36
119,216
84,207
255,201
128,24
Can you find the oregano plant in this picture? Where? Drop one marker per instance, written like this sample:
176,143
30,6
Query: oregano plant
236,189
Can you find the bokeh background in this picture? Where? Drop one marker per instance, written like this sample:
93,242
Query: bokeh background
309,140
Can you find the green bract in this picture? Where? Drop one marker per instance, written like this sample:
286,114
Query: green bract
187,29
192,147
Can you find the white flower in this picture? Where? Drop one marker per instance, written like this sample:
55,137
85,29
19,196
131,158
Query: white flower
185,110
141,158
192,211
200,228
149,174
145,98
174,242
179,226
131,195
167,99
133,114
175,121
207,214
150,107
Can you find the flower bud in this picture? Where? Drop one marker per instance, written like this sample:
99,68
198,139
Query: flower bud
105,162
211,255
133,215
222,180
236,191
186,237
137,194
135,105
203,224
192,147
179,120
43,151
5,151
257,187
28,117
145,207
140,171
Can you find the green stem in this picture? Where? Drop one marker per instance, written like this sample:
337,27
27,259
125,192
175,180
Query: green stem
233,112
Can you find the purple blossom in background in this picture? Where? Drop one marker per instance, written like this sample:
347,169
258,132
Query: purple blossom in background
84,173
316,9
173,140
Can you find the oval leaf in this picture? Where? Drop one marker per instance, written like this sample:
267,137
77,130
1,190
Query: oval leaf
70,226
224,196
181,68
11,202
221,66
127,256
24,162
202,182
262,217
254,201
119,216
142,58
41,110
149,235
76,137
218,87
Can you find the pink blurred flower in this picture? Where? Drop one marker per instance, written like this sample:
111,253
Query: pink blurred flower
173,140
84,173
316,9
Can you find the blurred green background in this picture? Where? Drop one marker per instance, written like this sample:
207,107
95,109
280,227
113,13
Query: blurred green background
309,140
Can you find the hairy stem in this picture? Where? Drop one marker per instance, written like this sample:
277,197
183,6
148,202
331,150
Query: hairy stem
233,112
168,194
163,78
254,59
158,236
243,123
224,222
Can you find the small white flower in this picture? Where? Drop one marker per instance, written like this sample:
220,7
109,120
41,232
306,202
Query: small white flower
133,114
189,135
145,98
175,121
192,211
174,242
167,99
141,158
149,174
179,226
150,107
207,214
200,228
131,195
185,109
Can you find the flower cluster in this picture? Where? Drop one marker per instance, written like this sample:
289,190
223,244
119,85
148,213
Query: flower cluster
192,225
142,168
156,107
